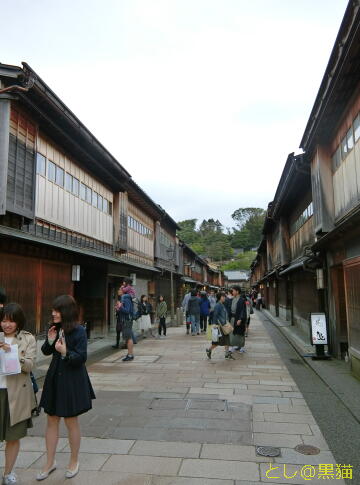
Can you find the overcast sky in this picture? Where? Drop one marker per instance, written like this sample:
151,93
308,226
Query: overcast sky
200,100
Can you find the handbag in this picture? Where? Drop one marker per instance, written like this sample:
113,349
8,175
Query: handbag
215,333
227,328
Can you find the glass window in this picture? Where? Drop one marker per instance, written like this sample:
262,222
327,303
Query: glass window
311,209
40,164
350,139
68,182
336,160
94,198
75,187
88,194
83,191
100,203
110,208
51,171
344,148
357,127
60,176
105,206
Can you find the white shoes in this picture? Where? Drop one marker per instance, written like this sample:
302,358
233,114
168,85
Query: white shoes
43,475
9,479
72,473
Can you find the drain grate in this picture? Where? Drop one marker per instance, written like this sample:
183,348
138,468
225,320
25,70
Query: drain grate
307,449
268,451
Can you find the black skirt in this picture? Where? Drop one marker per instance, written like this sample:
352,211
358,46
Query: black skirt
67,391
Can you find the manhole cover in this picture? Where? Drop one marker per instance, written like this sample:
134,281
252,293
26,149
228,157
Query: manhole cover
267,451
307,450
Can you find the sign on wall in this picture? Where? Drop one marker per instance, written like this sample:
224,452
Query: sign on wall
318,329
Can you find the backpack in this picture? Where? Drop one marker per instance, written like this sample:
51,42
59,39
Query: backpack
135,311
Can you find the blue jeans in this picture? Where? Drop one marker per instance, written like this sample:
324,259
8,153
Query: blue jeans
195,323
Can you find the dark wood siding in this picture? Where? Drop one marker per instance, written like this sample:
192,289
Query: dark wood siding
21,166
34,283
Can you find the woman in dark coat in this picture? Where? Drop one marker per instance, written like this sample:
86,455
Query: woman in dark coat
67,389
220,318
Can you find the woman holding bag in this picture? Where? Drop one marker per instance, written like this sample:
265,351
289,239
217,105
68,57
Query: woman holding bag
220,320
67,391
17,398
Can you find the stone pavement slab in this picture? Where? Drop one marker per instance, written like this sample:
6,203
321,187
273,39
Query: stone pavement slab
146,465
172,417
166,448
220,469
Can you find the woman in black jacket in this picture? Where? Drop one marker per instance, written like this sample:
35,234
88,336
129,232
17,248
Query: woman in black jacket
67,389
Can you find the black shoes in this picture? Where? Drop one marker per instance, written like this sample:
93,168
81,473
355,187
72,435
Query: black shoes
229,355
128,358
208,353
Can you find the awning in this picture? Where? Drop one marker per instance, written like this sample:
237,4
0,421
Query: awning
189,280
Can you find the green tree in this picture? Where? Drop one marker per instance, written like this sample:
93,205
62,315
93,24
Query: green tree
250,222
188,232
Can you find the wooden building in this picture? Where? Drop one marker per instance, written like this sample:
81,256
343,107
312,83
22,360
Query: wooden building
332,146
72,220
309,259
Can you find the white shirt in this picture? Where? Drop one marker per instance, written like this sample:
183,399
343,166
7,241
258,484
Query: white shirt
3,383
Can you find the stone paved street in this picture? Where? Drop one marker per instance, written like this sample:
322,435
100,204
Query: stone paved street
173,417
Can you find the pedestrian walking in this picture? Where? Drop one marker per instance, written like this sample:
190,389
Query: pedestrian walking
204,310
212,300
259,301
161,312
17,398
144,310
238,320
220,318
249,311
194,312
118,319
184,306
67,391
228,301
126,312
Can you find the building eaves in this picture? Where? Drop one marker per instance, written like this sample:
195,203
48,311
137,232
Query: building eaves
339,81
61,122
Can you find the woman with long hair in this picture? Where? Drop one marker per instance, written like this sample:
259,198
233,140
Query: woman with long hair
17,398
67,391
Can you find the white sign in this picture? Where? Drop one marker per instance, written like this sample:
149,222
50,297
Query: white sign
318,329
133,278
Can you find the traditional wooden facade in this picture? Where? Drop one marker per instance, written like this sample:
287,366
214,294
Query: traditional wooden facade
72,220
285,266
312,230
331,141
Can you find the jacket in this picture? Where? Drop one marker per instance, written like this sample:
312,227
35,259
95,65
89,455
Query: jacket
67,388
212,301
240,314
19,386
126,308
161,310
184,304
220,314
204,306
193,306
